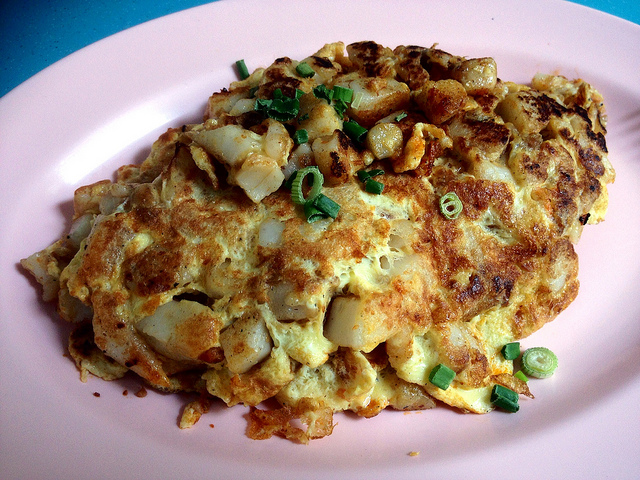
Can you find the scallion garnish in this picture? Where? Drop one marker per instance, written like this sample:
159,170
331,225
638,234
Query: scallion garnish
313,213
280,107
243,71
521,376
357,99
450,205
400,116
511,351
296,185
373,186
289,182
340,106
370,185
539,362
441,376
504,398
304,70
326,205
364,175
354,130
342,93
301,136
321,91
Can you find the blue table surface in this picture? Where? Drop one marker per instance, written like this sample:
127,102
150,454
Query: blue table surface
36,33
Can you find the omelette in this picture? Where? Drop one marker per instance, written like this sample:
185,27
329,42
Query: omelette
334,232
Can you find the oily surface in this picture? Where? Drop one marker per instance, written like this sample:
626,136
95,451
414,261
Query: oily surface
196,270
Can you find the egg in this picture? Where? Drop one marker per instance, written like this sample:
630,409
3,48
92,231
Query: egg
442,228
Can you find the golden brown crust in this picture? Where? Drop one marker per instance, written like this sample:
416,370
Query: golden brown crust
185,275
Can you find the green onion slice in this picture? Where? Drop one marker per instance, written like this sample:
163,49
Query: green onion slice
357,99
340,106
504,398
539,362
521,376
511,351
304,70
326,205
280,108
400,116
243,71
342,93
321,91
373,186
354,130
312,213
441,376
450,205
301,136
365,175
296,186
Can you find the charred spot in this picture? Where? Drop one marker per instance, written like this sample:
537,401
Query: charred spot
198,297
583,219
322,62
474,289
344,140
487,102
551,107
131,363
82,339
599,140
504,286
248,120
288,85
337,167
153,274
591,160
120,325
488,131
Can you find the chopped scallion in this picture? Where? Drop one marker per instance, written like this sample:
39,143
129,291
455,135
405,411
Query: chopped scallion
296,186
243,71
539,362
504,398
289,182
340,106
400,116
357,99
364,175
312,213
373,186
511,351
450,205
321,91
521,376
304,70
355,131
280,108
326,205
441,376
342,93
301,136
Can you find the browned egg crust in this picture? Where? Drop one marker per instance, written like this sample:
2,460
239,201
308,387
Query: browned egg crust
196,276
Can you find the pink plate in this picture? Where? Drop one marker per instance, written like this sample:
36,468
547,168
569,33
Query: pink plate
76,121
